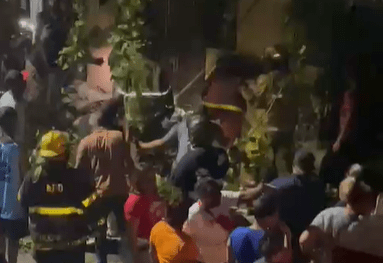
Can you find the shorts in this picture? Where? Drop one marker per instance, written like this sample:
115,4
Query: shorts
14,229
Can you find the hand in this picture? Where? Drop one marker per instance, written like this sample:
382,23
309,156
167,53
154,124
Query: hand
255,192
336,146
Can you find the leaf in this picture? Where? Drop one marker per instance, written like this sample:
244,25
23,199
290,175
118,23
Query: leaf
65,66
79,23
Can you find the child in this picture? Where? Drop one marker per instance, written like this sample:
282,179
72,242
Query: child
244,242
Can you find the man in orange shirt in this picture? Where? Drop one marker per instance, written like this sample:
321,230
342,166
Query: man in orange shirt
168,243
106,154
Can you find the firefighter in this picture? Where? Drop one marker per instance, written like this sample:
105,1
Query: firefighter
54,195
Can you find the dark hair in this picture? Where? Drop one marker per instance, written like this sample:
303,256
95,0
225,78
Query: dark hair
8,120
206,186
177,215
197,126
271,243
109,113
305,161
266,205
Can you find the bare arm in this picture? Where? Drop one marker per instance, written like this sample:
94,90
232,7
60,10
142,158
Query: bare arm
255,192
151,145
172,135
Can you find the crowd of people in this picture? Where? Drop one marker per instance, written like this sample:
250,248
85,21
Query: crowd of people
60,206
63,206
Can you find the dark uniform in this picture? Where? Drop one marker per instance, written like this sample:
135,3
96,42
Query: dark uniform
58,224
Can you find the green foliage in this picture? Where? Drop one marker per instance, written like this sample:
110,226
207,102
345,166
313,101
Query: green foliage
129,67
169,193
26,245
78,41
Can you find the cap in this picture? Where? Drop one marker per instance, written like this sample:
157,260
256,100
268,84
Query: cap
305,160
53,144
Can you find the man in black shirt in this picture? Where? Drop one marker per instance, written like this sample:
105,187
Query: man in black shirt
201,156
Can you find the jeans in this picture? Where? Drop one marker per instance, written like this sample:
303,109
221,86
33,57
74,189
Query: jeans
110,205
61,256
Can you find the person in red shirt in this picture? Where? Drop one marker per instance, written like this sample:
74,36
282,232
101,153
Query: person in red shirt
143,209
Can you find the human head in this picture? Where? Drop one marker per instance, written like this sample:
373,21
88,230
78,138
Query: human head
144,180
272,247
53,146
197,127
56,7
209,192
304,162
8,121
177,215
109,114
266,211
357,194
14,81
355,171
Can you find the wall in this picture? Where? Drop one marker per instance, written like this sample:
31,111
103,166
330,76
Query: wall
261,27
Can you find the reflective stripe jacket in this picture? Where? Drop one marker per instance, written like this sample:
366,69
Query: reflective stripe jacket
54,199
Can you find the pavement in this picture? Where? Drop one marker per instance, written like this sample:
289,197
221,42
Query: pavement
90,258
27,257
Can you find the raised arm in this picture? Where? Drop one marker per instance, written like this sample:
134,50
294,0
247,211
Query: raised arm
170,137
